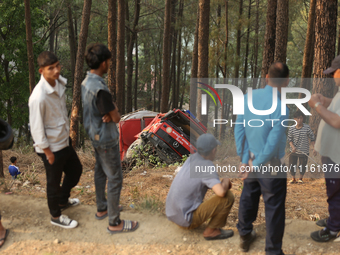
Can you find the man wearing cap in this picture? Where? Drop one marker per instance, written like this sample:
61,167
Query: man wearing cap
184,203
328,145
258,147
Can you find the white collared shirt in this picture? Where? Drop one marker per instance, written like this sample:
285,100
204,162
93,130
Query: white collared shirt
49,123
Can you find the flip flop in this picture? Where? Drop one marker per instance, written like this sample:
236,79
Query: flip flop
291,182
224,235
300,181
4,238
120,207
127,227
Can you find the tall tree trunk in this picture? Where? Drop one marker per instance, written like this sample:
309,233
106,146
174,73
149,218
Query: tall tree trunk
120,69
78,74
224,101
308,55
166,57
238,43
269,39
256,45
179,68
325,38
245,70
194,68
129,57
112,45
30,55
218,14
281,37
71,38
136,76
1,165
159,46
203,53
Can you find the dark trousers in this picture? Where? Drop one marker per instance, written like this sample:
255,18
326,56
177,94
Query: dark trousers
274,192
333,194
108,167
67,161
295,167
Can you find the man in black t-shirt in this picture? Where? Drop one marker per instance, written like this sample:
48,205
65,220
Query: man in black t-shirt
100,118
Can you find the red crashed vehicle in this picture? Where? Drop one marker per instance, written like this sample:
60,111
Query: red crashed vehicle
173,134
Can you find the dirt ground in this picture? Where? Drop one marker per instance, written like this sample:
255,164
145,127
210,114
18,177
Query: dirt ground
143,196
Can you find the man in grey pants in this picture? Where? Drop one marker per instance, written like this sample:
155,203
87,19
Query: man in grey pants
100,118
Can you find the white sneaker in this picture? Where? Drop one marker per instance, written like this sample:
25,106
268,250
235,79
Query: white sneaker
64,222
71,202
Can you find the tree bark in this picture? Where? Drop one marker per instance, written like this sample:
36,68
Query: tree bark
281,37
325,38
129,57
78,75
166,57
308,56
224,101
256,45
194,68
71,38
245,70
30,55
120,69
52,34
269,39
136,76
203,53
112,45
238,43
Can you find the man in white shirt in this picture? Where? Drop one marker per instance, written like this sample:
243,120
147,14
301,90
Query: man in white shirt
328,145
50,131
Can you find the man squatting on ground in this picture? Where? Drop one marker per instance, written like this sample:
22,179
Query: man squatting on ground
50,131
100,118
328,145
261,146
184,203
298,139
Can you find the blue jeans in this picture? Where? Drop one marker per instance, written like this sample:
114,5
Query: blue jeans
108,167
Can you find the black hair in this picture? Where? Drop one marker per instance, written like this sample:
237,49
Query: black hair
13,159
297,114
47,58
280,71
96,54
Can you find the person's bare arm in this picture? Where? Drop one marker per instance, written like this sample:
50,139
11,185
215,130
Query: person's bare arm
115,115
221,189
292,146
329,117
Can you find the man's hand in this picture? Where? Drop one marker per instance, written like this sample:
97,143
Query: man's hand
243,174
107,118
226,183
293,149
49,155
314,99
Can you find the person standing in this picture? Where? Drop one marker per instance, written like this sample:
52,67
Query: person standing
328,145
50,131
298,138
100,118
259,146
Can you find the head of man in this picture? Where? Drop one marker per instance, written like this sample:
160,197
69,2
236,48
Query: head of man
278,75
97,57
49,66
207,146
334,70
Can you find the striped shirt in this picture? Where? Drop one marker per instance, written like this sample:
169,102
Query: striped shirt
299,137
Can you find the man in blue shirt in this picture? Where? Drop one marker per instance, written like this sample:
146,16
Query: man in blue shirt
263,145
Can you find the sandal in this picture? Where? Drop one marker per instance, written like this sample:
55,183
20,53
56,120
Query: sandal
4,238
127,227
291,182
300,181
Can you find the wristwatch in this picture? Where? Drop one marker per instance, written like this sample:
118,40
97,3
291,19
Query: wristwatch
317,104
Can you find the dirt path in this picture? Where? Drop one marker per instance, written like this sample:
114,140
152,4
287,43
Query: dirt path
31,233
